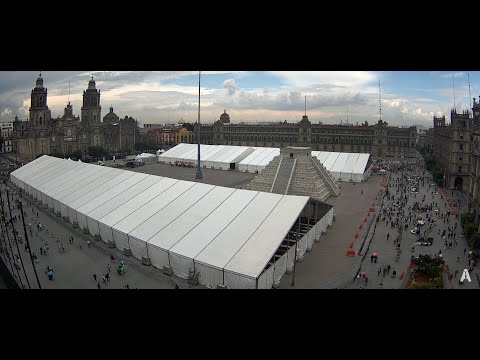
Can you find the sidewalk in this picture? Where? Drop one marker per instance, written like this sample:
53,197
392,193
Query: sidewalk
74,268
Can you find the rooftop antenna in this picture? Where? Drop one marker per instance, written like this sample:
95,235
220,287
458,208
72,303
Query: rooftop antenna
453,85
469,90
347,113
305,105
69,92
380,100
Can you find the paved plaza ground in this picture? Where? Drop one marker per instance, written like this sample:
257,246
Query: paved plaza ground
74,268
228,178
327,266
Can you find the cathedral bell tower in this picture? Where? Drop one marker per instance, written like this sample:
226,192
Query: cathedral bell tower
40,114
91,109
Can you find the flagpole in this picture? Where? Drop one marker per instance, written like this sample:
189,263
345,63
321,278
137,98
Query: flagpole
198,175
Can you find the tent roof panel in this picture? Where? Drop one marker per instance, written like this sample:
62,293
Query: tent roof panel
100,186
159,202
214,223
116,187
124,196
74,192
255,254
171,211
231,239
178,228
67,187
138,201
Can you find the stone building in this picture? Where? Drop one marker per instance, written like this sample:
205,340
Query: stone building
452,146
474,189
41,134
379,139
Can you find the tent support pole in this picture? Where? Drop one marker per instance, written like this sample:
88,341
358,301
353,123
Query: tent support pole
295,258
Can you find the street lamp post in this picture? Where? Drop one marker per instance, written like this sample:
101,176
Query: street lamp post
198,175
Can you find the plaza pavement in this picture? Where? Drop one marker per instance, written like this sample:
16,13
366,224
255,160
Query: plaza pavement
74,268
327,265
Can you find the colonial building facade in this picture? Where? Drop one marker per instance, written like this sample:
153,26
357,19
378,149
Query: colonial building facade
474,190
41,134
379,139
452,146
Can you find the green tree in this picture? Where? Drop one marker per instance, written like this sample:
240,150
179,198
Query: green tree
77,154
141,146
469,229
97,151
431,267
467,218
474,241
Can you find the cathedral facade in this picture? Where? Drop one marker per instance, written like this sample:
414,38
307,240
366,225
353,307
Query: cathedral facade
41,134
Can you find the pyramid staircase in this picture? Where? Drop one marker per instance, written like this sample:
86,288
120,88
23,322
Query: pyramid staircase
296,175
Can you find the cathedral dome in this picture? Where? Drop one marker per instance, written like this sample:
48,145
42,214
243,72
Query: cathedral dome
91,84
225,118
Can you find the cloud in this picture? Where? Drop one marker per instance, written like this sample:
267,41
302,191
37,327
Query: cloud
231,86
322,78
455,75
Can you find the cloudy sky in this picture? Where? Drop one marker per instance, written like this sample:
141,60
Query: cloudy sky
408,97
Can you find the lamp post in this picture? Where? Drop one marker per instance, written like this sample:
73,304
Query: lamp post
198,175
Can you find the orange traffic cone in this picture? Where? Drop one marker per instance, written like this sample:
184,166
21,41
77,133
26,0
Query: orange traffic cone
402,275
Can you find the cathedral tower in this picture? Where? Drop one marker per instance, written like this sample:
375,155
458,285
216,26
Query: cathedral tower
40,114
91,109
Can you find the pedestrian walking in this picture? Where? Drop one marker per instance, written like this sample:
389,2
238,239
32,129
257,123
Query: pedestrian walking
388,269
63,249
112,257
108,267
104,279
107,276
379,271
88,243
98,285
59,248
127,287
95,277
37,215
41,250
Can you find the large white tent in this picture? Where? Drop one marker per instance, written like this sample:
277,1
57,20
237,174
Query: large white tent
223,157
226,236
258,160
345,166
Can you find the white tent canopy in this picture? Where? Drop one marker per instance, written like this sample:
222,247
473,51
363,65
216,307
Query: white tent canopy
345,166
223,157
225,235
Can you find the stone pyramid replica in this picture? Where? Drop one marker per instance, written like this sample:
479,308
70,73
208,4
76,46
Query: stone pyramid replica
296,172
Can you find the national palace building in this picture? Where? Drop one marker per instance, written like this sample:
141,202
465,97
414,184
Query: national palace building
379,139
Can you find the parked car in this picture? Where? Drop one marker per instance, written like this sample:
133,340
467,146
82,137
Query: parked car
424,242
